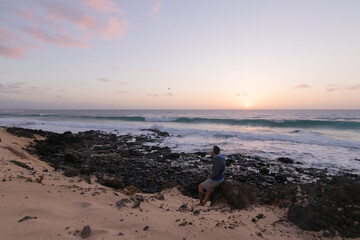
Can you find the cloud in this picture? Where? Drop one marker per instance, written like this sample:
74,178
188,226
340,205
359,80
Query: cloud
11,51
169,95
103,80
121,92
12,45
241,94
57,39
152,95
123,83
101,5
63,23
302,86
337,87
155,9
13,88
107,29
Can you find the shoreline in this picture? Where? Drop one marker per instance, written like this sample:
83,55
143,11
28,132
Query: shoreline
236,222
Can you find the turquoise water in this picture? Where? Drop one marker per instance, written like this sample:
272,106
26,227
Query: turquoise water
316,138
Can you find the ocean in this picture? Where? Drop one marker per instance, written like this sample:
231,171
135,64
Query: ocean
315,138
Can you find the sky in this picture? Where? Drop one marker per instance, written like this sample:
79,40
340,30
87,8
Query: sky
167,54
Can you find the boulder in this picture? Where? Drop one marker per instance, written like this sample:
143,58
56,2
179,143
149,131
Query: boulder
86,232
328,204
238,194
285,160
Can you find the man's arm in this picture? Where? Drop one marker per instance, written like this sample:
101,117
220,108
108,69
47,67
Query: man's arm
217,167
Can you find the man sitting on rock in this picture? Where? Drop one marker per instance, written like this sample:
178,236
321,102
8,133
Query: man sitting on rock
215,178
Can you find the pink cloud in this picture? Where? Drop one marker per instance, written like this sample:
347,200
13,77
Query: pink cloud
123,83
302,86
103,80
106,29
169,95
11,52
155,9
119,68
152,95
101,5
241,94
56,39
121,92
65,23
114,28
337,87
353,87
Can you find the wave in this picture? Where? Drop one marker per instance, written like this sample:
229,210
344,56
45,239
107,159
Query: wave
276,123
272,123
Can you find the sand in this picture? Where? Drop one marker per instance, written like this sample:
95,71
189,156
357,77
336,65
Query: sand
59,207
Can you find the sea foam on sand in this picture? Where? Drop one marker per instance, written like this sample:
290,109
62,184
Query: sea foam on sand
58,207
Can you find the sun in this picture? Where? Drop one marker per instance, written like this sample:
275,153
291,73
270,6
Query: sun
247,106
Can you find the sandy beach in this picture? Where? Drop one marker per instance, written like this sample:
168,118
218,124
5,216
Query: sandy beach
40,203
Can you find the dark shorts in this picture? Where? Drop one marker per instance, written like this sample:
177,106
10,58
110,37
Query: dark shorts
209,184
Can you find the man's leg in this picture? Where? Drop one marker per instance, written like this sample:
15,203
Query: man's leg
201,193
207,196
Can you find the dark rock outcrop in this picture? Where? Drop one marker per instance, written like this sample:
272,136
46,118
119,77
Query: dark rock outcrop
239,195
328,204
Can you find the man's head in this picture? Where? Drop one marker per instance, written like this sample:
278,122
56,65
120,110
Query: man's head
216,150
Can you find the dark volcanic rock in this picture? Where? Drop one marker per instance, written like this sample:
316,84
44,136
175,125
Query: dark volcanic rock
285,160
21,164
86,232
70,171
113,182
238,194
328,204
26,218
28,133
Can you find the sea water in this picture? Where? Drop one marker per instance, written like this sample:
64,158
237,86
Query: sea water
314,138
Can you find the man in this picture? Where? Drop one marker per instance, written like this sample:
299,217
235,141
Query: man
215,178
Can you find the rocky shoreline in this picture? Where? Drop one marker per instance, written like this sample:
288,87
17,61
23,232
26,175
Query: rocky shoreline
316,200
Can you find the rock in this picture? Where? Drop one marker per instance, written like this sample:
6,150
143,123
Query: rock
160,196
196,212
146,228
172,156
238,194
21,164
136,204
264,171
70,171
280,178
71,158
259,216
26,218
122,203
113,182
285,160
183,208
328,204
86,232
326,234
